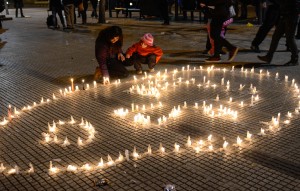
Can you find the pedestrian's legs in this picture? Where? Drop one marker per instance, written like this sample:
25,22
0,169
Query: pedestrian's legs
21,11
271,18
61,17
215,31
54,17
16,11
290,28
278,33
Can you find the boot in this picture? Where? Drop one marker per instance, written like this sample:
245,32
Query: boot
97,74
292,62
267,58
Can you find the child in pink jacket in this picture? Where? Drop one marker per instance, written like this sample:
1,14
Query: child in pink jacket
144,52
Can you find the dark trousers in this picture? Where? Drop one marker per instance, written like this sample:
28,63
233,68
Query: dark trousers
165,11
21,10
215,31
137,60
287,25
61,17
271,19
298,29
116,68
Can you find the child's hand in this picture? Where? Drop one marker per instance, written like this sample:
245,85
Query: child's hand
121,57
127,56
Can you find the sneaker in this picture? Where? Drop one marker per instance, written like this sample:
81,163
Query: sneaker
139,72
292,63
213,59
265,58
151,70
255,48
233,53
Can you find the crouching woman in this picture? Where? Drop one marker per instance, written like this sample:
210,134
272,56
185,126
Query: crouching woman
108,51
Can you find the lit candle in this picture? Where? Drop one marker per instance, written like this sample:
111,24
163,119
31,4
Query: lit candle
101,163
161,148
72,84
149,150
71,168
189,142
31,169
135,154
225,144
82,84
176,147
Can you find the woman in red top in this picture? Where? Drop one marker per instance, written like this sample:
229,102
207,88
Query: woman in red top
144,52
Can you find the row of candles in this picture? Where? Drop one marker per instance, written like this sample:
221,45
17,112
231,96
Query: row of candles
52,130
16,113
197,146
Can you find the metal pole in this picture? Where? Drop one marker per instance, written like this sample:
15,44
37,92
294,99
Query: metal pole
6,7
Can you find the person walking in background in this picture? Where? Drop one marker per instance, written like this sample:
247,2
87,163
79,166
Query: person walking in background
219,14
69,12
56,7
94,11
18,4
144,52
165,11
271,19
83,7
286,25
108,51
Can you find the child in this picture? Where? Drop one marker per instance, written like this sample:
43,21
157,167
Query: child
144,52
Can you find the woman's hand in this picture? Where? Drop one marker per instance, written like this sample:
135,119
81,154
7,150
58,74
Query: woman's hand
121,57
127,56
202,5
106,80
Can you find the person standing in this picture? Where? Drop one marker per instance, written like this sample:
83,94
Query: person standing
94,11
165,11
56,7
286,25
271,19
19,5
108,51
219,14
69,12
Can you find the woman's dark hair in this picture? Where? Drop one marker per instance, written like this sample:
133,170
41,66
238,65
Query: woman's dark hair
106,35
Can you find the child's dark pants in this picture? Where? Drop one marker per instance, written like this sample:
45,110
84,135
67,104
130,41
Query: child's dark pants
137,60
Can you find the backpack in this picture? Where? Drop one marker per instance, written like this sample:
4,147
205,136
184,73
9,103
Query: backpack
49,21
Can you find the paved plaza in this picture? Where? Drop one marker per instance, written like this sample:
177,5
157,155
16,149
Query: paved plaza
194,126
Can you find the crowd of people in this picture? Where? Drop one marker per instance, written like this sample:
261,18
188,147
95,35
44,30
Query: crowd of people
282,14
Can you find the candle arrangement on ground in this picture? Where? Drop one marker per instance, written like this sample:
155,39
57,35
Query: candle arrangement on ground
207,93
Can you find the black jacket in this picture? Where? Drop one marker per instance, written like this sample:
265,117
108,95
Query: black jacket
221,8
288,7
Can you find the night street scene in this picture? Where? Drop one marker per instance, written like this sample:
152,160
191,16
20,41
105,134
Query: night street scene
154,95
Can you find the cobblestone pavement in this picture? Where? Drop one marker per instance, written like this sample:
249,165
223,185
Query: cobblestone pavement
38,63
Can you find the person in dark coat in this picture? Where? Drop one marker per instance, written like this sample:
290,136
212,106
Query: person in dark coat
271,19
286,25
219,14
56,7
108,51
165,11
18,4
